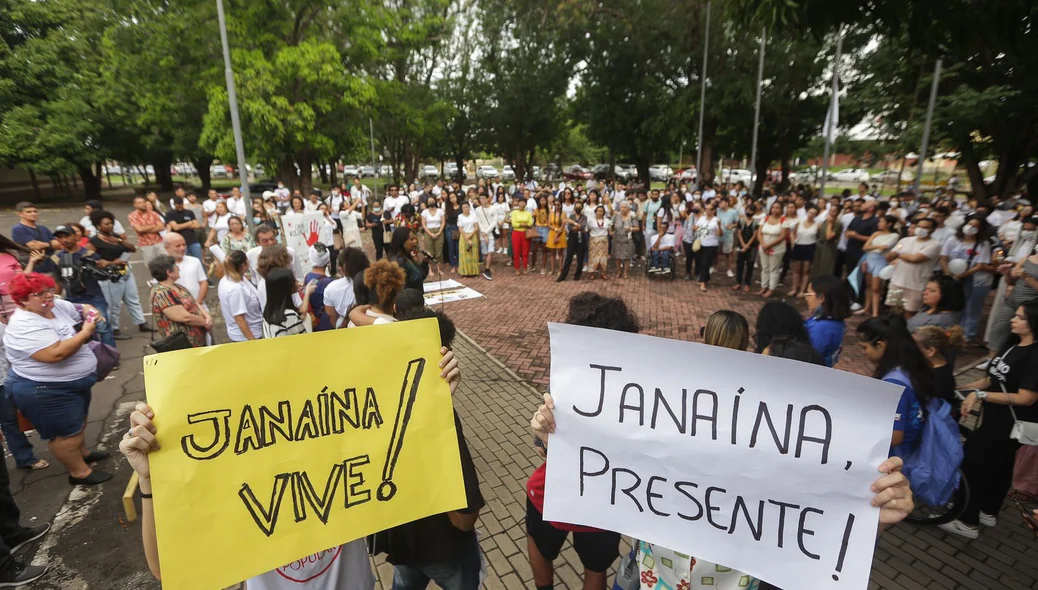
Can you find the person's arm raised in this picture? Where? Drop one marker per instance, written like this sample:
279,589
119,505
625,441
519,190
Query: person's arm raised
135,446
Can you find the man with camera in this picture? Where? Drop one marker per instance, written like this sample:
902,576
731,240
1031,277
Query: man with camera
77,273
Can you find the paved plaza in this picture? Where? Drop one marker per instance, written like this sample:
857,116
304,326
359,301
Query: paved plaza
504,353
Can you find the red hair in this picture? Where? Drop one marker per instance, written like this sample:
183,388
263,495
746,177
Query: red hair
25,284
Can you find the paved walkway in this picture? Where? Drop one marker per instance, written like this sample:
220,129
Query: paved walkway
94,549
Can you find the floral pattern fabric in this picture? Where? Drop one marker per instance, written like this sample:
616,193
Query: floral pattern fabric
163,297
664,569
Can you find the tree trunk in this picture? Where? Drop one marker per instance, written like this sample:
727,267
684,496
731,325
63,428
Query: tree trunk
707,173
643,172
976,177
333,169
762,173
322,172
203,167
35,186
306,171
784,183
460,162
163,176
91,183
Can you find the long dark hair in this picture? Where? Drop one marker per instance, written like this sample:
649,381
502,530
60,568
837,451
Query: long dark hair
901,352
778,318
953,297
281,286
1031,312
396,243
836,297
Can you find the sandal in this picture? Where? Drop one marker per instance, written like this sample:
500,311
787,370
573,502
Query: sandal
38,465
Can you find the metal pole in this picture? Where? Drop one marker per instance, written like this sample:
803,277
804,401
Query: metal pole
756,110
702,101
371,128
926,127
832,105
232,98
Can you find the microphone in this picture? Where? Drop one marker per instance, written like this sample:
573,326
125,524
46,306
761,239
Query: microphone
426,253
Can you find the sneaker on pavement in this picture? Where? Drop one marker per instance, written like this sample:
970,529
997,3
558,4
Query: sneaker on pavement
731,275
145,328
988,520
956,527
27,535
17,574
119,335
856,307
487,275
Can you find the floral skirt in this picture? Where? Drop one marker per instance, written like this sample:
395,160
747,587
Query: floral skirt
598,252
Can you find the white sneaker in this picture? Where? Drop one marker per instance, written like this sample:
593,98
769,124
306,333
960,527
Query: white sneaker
988,520
731,275
956,527
857,307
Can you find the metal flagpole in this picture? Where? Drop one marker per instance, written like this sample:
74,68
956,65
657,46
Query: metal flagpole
756,111
232,98
926,128
829,119
371,128
702,102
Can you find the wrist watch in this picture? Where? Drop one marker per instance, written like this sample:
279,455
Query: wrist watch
981,395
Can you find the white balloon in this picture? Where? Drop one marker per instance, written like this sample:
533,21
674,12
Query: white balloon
957,266
886,272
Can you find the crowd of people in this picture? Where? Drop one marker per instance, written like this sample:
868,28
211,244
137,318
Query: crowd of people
919,269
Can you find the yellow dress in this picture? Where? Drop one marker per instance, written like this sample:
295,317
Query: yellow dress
556,230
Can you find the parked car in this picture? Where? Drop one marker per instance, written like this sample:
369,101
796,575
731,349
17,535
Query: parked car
850,175
735,175
385,171
486,171
686,174
660,172
218,172
428,171
507,174
450,171
890,176
602,172
576,172
367,172
350,171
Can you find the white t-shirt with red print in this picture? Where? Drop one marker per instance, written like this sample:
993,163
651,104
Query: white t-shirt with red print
345,567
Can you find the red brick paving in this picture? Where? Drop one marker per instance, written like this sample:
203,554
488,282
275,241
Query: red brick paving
511,321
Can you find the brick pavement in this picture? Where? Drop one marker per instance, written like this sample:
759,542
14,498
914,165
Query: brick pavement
495,404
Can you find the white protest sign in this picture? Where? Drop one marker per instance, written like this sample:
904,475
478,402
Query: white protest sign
755,463
302,230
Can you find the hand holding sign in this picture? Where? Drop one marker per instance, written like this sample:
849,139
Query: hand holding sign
758,463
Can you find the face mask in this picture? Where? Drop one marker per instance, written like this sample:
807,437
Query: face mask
969,230
1027,234
922,233
376,209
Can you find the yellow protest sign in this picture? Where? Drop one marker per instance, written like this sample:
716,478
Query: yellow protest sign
273,450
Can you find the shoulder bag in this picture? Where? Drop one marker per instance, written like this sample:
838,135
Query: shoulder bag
1026,433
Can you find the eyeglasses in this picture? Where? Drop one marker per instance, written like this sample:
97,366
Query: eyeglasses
43,294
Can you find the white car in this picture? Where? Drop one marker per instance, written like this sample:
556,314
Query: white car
350,171
891,176
217,171
850,175
450,170
429,171
736,175
507,173
660,172
486,171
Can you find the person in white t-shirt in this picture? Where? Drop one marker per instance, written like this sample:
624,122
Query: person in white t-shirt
52,370
394,201
192,275
661,252
265,236
914,259
236,204
88,225
239,301
209,207
709,230
359,192
314,202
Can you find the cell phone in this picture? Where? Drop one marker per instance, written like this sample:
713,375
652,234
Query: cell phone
1029,518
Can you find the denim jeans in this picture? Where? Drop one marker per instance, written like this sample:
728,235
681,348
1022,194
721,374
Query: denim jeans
125,289
55,408
460,574
196,251
17,443
975,296
104,329
660,258
452,245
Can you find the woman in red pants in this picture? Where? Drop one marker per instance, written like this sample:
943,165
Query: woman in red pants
521,221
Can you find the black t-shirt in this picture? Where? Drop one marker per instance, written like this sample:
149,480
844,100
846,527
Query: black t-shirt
174,216
864,227
106,250
944,382
376,219
433,539
1012,370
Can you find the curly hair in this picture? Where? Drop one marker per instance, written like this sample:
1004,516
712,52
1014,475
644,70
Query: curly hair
940,338
385,279
271,257
778,318
595,311
25,284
